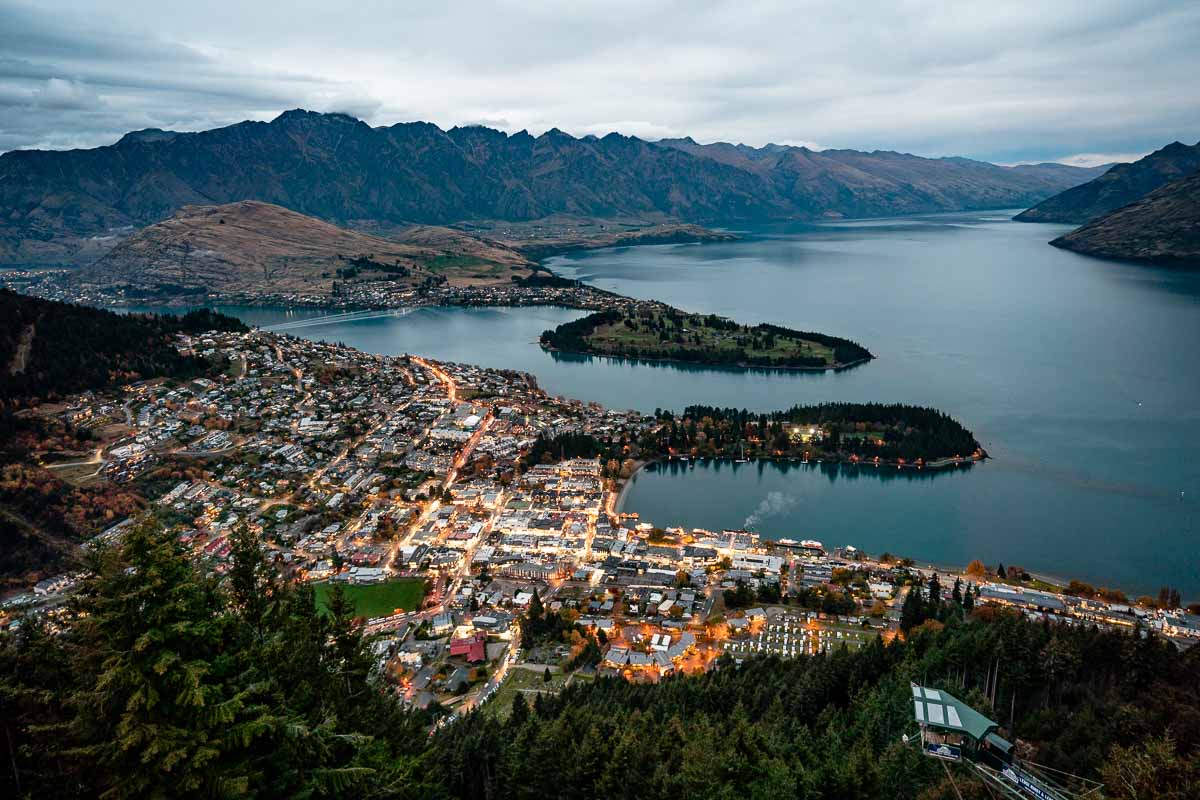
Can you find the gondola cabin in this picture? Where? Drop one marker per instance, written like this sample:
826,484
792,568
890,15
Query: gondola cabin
952,730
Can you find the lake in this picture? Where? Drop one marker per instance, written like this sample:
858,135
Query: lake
1079,376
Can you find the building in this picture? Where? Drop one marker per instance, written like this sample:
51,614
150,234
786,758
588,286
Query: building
1181,624
473,648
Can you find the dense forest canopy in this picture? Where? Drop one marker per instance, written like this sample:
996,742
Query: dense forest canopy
849,432
167,683
51,349
844,431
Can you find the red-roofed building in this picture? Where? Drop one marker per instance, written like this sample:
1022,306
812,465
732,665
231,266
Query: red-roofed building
473,648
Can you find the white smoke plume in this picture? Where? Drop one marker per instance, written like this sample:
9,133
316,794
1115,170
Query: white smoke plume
771,505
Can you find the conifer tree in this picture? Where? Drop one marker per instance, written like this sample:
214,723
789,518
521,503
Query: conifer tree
162,717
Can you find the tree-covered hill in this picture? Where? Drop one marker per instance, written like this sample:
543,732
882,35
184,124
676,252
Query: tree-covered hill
659,332
164,683
843,431
50,349
831,726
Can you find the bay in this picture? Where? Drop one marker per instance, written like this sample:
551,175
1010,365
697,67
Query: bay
1079,376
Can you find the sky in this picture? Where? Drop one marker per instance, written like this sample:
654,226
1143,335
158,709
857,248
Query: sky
1078,82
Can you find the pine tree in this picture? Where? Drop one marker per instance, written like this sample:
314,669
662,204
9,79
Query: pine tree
520,711
934,597
251,580
912,613
162,716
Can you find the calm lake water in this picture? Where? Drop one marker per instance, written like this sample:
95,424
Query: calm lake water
1079,376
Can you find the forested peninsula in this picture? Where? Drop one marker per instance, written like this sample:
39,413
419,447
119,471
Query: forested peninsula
855,433
657,332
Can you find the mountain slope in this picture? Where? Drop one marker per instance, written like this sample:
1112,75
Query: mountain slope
1162,227
254,247
1119,186
58,207
341,170
48,348
879,183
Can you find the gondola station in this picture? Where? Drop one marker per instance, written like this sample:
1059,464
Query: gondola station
954,732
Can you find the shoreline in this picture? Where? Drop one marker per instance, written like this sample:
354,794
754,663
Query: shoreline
1055,580
624,484
733,366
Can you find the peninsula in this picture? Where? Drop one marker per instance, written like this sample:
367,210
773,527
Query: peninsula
855,433
658,332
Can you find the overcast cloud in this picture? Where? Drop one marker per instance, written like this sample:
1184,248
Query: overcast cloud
1083,82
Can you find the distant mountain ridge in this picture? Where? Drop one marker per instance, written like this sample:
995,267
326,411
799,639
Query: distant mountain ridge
1119,186
1163,227
55,206
853,183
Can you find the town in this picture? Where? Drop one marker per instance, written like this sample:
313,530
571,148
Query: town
360,295
481,562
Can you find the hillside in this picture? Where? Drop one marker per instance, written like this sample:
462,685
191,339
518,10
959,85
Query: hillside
300,714
1119,186
1162,227
254,247
881,183
49,349
555,236
60,207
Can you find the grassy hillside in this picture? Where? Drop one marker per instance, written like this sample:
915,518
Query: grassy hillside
263,248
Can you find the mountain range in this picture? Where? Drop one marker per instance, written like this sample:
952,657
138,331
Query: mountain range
1119,186
852,183
70,207
1146,210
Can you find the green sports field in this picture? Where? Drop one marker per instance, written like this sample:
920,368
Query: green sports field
379,599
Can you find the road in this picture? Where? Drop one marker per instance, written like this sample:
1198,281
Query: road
493,683
95,459
459,460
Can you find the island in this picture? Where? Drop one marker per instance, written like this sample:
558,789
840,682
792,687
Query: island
657,332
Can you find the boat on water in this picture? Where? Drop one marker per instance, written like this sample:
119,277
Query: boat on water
809,546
